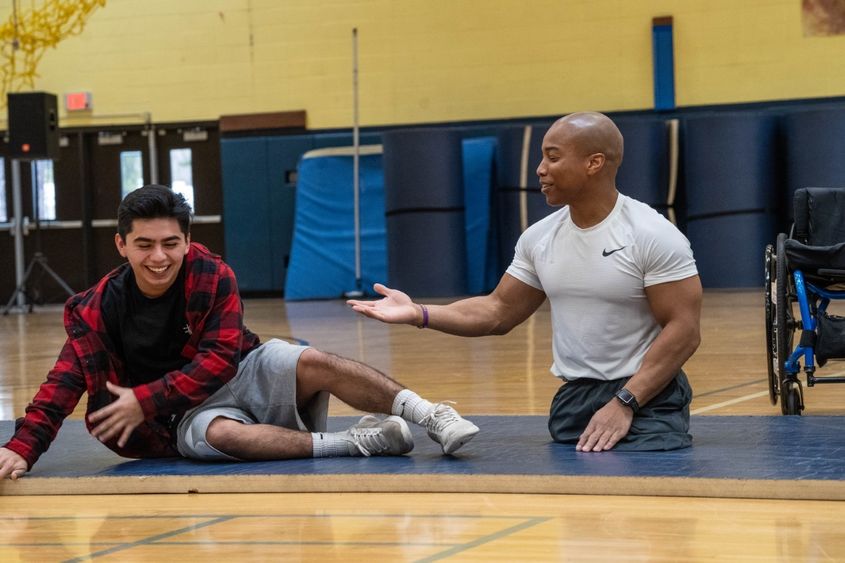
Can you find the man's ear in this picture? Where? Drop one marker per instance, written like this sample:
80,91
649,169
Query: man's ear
187,243
120,244
595,163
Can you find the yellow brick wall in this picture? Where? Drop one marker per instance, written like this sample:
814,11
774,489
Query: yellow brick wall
432,60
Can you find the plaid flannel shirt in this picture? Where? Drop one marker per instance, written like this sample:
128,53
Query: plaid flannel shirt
88,359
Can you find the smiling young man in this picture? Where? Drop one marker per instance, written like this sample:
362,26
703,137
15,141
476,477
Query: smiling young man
624,293
160,347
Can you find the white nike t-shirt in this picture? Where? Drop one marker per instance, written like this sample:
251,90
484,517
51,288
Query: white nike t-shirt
595,280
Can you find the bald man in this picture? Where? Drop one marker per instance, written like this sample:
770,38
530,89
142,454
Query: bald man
624,293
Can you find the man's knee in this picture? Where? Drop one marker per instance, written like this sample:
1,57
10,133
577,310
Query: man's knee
222,432
314,373
313,362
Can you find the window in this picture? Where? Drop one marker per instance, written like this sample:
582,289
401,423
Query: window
4,215
131,171
182,174
45,187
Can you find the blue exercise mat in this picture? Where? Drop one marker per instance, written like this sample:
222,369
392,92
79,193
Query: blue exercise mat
725,447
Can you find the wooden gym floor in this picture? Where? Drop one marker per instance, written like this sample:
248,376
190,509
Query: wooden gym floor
488,376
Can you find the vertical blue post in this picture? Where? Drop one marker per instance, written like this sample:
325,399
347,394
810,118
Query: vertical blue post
664,63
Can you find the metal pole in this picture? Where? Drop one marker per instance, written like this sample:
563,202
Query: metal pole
151,144
356,158
17,207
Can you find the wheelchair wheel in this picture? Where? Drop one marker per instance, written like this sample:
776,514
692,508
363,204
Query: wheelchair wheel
771,343
791,400
784,330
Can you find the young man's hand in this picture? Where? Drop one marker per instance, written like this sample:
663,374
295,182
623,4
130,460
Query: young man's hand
12,465
119,418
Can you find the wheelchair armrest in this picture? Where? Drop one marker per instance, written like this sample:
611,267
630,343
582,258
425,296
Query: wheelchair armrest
831,272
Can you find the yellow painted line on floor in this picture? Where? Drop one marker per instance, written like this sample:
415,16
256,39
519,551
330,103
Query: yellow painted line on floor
730,402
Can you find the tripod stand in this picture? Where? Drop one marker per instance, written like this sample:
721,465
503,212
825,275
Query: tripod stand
39,258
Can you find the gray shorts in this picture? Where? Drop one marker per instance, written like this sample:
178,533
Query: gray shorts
262,392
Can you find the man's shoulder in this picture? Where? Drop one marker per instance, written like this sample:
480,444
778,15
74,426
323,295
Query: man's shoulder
202,261
206,273
197,251
646,220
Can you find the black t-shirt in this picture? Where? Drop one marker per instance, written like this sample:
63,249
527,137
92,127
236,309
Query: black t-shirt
148,334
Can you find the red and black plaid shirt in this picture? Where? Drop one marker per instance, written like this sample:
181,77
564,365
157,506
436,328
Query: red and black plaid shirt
88,359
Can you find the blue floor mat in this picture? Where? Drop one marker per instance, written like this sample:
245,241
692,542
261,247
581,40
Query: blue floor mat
760,448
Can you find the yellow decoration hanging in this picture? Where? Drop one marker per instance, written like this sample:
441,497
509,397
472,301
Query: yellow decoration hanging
26,36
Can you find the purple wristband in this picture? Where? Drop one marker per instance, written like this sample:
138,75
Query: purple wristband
425,317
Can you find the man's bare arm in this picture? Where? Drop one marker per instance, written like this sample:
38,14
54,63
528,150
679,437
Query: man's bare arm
677,307
497,313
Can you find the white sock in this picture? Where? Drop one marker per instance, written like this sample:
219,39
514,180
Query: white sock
410,406
332,444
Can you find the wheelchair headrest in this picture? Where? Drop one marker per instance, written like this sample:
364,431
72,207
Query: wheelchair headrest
820,216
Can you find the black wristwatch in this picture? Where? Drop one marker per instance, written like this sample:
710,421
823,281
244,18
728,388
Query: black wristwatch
627,398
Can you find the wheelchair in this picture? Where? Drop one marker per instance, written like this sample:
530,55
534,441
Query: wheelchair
805,271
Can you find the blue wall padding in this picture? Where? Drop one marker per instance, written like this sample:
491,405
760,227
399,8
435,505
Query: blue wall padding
478,165
731,170
244,175
508,163
422,169
254,173
322,263
815,151
729,249
508,155
644,174
322,259
424,204
427,253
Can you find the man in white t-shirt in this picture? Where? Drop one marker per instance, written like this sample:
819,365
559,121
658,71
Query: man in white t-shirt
624,292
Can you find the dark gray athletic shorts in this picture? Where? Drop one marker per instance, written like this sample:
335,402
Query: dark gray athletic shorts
662,424
262,392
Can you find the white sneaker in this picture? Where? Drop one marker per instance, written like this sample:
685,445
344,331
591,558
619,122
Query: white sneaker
374,436
446,427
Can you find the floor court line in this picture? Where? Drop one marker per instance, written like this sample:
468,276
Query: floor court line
453,548
729,402
485,539
147,541
312,543
160,539
723,389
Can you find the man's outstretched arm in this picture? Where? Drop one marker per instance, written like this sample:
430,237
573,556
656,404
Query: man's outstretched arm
497,313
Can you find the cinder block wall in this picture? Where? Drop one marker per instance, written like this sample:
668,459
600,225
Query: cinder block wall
433,60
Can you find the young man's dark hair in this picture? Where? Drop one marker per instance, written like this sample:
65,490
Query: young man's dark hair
153,202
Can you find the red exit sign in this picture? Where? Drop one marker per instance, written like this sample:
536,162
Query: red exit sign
78,101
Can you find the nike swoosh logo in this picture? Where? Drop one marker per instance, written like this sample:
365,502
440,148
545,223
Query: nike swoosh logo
606,253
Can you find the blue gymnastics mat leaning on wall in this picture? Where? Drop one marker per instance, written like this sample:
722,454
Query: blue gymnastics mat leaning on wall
322,260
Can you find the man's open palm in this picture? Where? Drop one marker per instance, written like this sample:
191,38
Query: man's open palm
395,307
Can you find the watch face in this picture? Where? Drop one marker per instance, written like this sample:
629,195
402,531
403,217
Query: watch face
627,398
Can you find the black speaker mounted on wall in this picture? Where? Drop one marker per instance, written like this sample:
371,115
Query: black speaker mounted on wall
33,126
